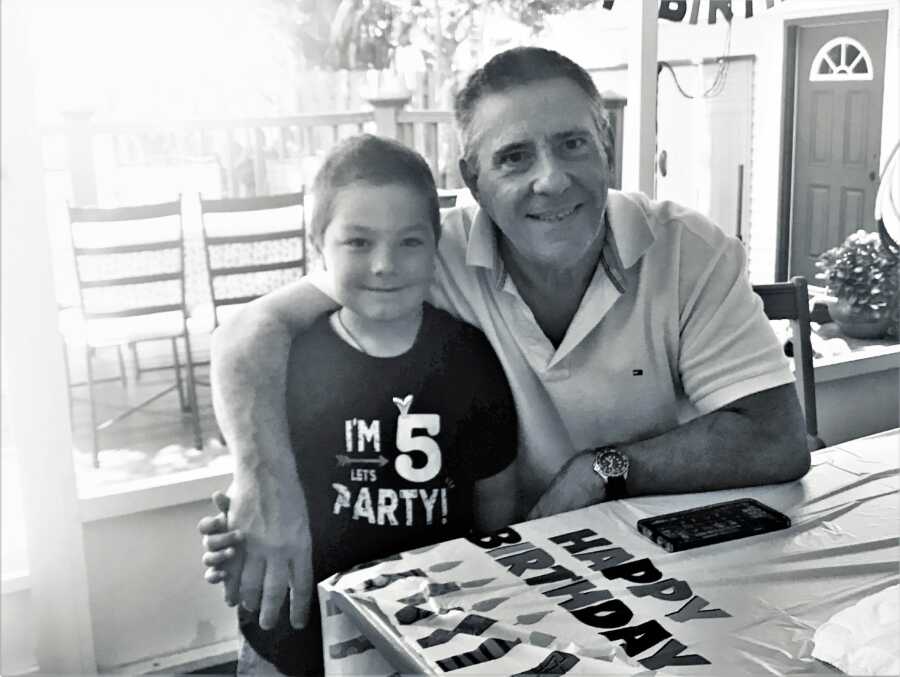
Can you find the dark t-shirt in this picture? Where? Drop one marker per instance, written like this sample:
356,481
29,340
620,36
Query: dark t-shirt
388,451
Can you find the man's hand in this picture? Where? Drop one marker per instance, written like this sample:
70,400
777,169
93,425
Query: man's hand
575,486
275,526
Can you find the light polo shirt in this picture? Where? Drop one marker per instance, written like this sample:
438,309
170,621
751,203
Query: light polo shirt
668,329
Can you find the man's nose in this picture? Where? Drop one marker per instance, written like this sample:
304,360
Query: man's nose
551,177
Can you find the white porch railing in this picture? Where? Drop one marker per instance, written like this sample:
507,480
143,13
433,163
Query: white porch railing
232,158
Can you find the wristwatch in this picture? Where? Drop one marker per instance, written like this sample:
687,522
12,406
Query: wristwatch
612,466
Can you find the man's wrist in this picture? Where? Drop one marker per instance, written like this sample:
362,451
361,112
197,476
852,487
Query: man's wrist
275,504
611,467
596,486
252,462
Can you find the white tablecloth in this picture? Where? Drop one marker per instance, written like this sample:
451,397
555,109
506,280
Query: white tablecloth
550,601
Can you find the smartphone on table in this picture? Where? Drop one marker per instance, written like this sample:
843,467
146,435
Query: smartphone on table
709,524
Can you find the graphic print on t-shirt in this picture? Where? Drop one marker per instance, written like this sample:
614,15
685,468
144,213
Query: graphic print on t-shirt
364,463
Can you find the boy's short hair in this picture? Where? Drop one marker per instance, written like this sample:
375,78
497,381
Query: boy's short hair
516,67
374,160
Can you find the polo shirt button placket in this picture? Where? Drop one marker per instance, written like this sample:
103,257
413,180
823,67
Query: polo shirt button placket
558,372
528,326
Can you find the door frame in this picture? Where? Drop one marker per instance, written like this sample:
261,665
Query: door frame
788,121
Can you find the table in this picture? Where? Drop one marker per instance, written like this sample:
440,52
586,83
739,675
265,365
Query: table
583,593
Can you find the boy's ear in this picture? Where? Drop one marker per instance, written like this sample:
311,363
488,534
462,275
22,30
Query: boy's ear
317,253
469,177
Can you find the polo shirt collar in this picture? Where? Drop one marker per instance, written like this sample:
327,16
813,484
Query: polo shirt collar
631,235
632,232
482,250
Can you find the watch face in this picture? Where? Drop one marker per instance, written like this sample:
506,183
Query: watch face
613,464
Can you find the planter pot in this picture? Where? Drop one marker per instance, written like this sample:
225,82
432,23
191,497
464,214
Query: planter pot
858,323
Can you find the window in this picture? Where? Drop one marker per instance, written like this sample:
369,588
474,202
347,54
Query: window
842,58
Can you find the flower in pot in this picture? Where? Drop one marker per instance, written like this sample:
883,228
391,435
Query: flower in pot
862,275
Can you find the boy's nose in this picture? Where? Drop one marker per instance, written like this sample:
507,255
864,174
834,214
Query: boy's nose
383,261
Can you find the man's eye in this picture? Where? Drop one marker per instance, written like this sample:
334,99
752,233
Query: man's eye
575,144
514,158
413,242
356,242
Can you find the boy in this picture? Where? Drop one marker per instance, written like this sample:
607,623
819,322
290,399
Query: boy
401,418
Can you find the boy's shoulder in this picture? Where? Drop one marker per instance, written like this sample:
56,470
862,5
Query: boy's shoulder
439,320
455,337
318,339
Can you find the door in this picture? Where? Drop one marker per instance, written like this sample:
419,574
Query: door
839,88
703,142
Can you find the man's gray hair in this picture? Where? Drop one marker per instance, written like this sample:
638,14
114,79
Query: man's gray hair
516,67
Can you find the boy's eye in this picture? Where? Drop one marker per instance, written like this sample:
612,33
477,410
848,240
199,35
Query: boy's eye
356,242
413,242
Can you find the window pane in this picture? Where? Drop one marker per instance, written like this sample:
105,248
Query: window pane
835,54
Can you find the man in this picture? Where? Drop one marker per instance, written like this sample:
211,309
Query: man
640,360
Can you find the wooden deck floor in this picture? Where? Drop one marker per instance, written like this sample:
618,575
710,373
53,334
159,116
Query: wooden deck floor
155,440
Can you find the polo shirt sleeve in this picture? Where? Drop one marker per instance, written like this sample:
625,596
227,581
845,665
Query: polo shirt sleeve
727,348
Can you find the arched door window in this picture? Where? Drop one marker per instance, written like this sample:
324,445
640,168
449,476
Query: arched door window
842,58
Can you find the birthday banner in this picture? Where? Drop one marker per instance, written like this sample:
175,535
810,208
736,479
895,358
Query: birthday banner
706,11
584,593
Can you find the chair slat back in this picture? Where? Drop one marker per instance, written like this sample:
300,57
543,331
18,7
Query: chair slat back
253,246
129,261
790,301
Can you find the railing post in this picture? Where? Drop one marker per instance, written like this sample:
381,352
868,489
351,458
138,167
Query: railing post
386,106
80,150
259,162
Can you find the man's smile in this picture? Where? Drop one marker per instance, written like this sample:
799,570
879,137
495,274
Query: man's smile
554,216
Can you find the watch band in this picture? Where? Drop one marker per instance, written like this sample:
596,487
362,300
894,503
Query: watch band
612,467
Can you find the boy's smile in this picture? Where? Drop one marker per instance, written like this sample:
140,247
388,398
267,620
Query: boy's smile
379,248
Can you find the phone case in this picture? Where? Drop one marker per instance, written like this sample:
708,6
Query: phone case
711,524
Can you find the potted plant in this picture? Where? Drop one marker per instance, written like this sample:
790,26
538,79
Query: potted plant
862,276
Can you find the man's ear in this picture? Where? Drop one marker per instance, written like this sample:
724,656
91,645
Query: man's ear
469,177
